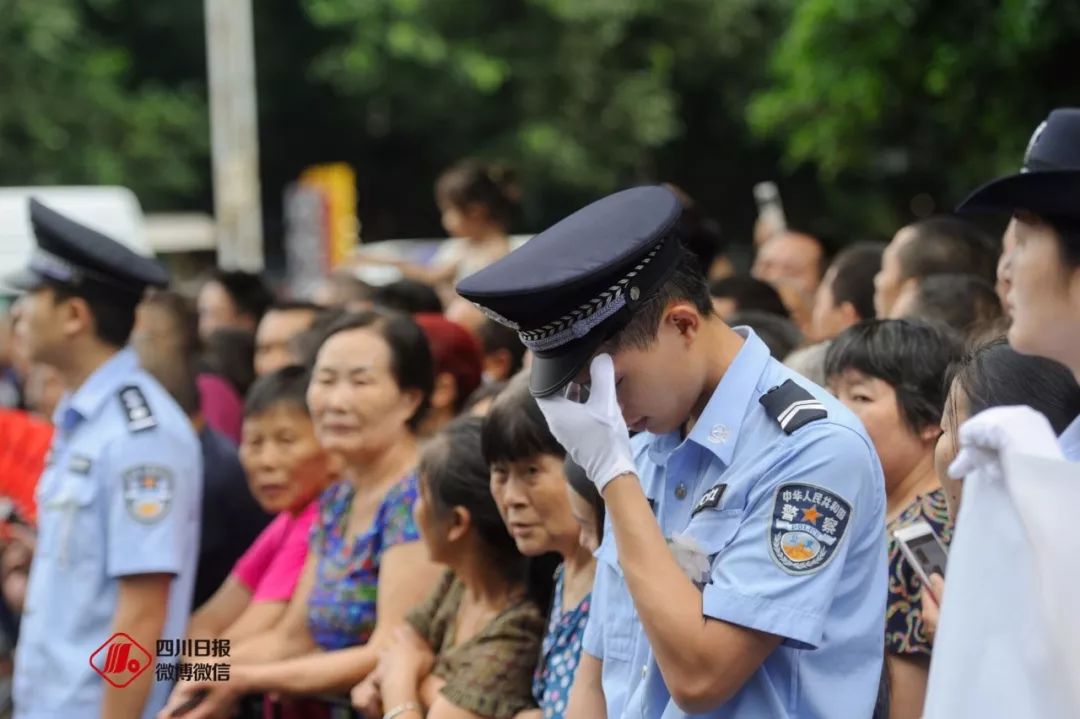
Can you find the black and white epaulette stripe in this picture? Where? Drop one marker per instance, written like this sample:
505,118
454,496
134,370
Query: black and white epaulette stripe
792,406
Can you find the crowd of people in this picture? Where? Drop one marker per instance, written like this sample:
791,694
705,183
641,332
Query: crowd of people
604,474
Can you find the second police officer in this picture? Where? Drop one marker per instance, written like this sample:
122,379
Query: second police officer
118,502
742,571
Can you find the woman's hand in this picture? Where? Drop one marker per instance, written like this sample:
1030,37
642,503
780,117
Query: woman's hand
366,697
218,702
931,606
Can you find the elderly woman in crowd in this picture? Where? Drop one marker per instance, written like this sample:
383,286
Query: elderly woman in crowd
366,568
469,650
529,484
888,372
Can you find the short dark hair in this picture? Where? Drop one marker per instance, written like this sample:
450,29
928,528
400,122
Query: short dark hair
494,336
515,428
406,295
749,293
965,303
454,473
948,244
685,283
284,387
247,290
114,314
231,354
996,375
410,355
853,276
779,334
493,186
911,356
1068,230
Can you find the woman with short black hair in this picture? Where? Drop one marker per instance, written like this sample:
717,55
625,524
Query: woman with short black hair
889,373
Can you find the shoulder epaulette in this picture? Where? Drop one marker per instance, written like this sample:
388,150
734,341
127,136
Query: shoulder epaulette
136,409
792,406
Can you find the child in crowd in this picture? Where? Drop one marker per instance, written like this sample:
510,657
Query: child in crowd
529,484
478,203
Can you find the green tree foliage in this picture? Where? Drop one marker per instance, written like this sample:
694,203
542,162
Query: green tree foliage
72,112
580,95
890,98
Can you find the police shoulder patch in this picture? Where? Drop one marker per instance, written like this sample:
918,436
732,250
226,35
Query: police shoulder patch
807,525
148,492
136,409
792,406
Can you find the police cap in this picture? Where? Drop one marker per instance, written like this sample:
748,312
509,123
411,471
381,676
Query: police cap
1048,183
75,256
571,287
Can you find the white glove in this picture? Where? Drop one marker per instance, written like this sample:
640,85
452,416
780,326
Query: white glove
594,434
989,435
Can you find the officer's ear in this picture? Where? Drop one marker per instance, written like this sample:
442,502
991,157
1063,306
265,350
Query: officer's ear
75,315
930,433
684,317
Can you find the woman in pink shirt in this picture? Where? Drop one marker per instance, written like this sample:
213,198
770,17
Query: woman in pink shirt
287,469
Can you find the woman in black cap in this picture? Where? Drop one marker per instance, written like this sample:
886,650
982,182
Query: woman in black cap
1043,268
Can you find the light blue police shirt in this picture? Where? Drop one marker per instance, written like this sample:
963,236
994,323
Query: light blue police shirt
823,594
120,496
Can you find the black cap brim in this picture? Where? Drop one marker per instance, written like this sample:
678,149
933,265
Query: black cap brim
552,371
1051,193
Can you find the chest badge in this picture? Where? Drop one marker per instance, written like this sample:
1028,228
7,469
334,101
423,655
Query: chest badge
807,525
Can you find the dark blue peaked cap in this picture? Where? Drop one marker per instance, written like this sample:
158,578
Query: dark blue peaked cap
1048,183
76,256
574,285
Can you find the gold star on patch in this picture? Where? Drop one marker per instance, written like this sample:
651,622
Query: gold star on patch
811,515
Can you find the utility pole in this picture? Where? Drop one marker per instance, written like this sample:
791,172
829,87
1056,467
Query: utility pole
230,59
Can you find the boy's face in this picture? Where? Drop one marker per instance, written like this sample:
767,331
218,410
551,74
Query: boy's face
285,465
658,387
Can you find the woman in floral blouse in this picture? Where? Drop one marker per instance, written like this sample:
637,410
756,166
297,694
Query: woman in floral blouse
365,570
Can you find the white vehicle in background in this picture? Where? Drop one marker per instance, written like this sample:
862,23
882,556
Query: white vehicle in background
113,211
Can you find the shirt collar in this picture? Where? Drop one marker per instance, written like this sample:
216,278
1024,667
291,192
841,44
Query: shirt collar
718,427
101,383
1070,441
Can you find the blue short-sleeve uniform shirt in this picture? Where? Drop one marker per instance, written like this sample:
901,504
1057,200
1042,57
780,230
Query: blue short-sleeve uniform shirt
793,526
120,496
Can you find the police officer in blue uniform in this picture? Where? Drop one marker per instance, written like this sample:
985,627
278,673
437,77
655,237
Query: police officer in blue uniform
742,571
118,503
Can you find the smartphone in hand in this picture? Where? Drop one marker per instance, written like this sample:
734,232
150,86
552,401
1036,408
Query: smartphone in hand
922,549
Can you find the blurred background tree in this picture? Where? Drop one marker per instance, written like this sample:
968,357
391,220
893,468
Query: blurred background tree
75,110
904,106
866,112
